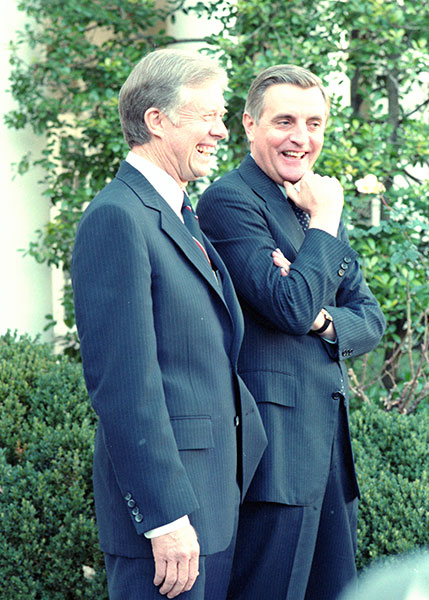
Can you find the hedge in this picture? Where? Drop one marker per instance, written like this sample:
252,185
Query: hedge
49,547
46,503
391,453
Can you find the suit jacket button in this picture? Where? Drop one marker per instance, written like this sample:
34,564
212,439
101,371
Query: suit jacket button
341,272
127,497
135,511
138,518
236,420
131,503
344,266
347,259
337,396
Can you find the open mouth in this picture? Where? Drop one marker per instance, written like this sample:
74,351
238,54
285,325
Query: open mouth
293,154
205,150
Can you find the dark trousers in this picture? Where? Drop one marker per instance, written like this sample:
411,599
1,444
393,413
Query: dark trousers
132,578
300,552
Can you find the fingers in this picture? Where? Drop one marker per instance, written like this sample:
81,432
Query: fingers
176,578
176,561
321,197
160,571
179,577
193,572
281,261
292,193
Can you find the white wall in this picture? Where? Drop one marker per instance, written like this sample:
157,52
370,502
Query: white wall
189,29
26,294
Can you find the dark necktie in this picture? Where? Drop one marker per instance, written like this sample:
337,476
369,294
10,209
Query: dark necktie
191,221
301,215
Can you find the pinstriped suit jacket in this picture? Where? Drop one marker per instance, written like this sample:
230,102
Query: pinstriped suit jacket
297,378
159,341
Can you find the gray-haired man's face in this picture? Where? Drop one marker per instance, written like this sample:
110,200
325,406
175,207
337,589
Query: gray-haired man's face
188,146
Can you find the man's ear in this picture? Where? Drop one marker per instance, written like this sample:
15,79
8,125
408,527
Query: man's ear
249,126
155,121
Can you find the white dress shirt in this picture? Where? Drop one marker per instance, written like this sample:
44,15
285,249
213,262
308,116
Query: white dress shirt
164,184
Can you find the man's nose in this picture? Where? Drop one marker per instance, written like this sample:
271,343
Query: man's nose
219,129
299,134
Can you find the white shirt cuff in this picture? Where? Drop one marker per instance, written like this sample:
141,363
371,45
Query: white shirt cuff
168,528
329,341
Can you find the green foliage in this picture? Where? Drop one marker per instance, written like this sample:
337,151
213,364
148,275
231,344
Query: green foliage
46,501
377,51
375,48
391,453
82,54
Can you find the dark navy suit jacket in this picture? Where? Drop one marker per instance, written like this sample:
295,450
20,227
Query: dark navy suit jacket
297,378
160,338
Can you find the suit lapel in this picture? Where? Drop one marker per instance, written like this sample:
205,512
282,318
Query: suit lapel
274,199
230,299
171,225
169,221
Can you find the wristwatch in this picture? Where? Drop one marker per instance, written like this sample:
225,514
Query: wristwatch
328,321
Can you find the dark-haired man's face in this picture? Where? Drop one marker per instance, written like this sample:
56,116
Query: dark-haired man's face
289,136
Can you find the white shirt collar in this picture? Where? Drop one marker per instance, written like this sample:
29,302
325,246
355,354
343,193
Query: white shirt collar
164,184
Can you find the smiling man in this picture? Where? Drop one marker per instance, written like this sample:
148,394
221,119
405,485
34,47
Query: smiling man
179,435
278,227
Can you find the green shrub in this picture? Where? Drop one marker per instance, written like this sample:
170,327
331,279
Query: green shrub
46,502
391,453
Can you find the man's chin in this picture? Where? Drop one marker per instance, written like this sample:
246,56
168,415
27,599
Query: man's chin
293,179
292,175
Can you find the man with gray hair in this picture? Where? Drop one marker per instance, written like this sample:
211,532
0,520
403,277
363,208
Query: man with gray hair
277,226
179,435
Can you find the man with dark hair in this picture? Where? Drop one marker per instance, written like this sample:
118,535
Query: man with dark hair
160,328
277,226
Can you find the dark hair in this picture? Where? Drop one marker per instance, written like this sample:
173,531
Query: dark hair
274,76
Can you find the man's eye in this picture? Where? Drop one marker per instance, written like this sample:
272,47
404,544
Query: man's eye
213,116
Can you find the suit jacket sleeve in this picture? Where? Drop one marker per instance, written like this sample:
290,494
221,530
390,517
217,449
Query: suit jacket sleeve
359,322
245,233
112,286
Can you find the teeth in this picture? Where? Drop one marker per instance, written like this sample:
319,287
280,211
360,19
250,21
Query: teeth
205,150
293,154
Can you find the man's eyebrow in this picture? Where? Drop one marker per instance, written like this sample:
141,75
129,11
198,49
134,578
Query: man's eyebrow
281,116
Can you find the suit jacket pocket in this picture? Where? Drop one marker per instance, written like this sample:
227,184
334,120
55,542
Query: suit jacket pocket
193,433
274,387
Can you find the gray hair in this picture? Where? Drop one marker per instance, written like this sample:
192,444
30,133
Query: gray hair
275,75
161,79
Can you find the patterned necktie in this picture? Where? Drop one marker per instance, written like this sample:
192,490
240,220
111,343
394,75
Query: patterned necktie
301,215
191,221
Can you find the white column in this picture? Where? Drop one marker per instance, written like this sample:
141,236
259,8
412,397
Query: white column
26,295
191,29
